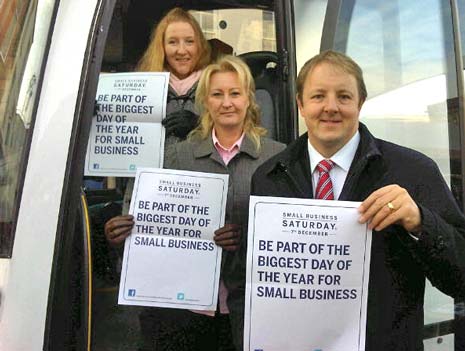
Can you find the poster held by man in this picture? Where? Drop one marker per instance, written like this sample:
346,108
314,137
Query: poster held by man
306,259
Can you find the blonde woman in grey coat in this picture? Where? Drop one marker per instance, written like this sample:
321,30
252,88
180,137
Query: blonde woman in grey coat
228,140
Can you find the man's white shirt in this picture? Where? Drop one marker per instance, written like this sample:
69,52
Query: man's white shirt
342,160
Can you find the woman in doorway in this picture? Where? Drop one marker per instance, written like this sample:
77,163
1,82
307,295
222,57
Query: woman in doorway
179,47
228,140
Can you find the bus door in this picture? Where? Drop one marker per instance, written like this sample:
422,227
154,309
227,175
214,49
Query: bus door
45,61
83,312
410,53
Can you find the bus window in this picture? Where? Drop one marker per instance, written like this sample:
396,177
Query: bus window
20,66
245,30
404,49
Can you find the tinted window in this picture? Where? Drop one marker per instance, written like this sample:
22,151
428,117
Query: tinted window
244,29
406,51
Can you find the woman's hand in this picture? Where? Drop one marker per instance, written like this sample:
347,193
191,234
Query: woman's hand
118,228
180,123
228,237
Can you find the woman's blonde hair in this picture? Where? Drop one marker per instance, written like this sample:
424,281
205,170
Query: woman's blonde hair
153,59
228,63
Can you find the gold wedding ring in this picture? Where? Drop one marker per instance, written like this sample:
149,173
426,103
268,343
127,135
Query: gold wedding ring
391,206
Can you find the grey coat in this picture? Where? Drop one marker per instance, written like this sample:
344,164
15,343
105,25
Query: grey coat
202,156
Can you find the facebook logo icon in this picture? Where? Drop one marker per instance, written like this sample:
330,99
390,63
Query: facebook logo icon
96,166
132,292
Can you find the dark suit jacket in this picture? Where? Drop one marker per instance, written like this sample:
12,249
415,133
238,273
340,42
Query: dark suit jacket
399,264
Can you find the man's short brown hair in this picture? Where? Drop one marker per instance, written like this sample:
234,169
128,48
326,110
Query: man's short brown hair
339,60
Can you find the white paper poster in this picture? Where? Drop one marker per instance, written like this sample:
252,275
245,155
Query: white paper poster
126,131
170,258
307,276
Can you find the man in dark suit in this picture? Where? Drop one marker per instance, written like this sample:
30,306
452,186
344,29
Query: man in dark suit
418,230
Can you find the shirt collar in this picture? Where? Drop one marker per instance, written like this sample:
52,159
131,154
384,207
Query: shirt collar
236,145
343,158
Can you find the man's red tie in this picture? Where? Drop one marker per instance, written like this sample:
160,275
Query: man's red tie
324,188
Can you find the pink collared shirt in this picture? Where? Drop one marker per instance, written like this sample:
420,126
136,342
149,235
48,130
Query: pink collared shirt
227,155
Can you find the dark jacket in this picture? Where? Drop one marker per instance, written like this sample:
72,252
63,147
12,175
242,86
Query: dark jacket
399,264
174,103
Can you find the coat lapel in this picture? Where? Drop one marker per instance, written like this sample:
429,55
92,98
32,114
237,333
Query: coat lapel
296,168
366,171
205,148
249,147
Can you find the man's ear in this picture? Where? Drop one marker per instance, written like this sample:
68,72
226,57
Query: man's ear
299,103
360,104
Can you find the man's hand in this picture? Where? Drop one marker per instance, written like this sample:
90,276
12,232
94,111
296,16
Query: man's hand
228,237
390,205
118,228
